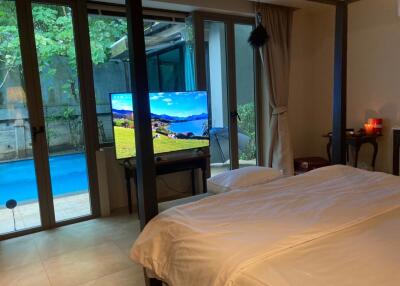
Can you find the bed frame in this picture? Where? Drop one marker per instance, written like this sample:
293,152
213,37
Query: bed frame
147,195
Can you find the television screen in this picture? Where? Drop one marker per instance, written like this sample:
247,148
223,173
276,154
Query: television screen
179,122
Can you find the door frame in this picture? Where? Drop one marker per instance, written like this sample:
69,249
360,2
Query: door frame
199,18
36,113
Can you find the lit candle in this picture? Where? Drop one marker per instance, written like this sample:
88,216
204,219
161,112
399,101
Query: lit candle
369,128
377,123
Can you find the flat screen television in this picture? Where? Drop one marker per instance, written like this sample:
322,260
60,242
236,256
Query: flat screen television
179,122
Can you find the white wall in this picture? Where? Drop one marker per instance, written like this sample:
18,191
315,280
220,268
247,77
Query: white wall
310,99
373,76
374,71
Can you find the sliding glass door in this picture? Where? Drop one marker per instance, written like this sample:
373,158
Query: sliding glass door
245,96
61,100
19,201
169,52
226,68
44,178
216,80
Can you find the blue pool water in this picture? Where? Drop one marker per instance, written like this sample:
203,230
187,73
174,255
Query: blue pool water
18,180
195,126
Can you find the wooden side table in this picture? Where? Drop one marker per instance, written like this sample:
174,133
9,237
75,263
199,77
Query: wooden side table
356,141
163,167
396,151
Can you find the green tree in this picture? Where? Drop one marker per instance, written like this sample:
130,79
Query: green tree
247,125
55,37
10,57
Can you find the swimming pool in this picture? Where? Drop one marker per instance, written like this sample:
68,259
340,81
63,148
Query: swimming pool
18,180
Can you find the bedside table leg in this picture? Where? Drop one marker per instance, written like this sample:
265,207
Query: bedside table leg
375,144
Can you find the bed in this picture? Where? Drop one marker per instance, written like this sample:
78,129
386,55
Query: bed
332,226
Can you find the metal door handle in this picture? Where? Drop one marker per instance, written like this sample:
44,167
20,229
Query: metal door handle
36,131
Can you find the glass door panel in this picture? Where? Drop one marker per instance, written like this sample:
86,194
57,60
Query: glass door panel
245,96
19,207
216,79
55,45
170,57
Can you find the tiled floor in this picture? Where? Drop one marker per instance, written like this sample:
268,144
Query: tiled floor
28,216
91,253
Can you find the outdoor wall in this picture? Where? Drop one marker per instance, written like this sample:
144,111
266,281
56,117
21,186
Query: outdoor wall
15,137
109,77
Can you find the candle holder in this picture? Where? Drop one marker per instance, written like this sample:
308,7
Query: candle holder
369,129
378,125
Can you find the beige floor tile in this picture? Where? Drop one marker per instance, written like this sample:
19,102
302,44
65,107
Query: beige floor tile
82,266
125,243
29,275
95,251
17,252
129,277
63,240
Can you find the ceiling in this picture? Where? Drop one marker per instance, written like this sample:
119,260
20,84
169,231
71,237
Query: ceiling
241,6
294,3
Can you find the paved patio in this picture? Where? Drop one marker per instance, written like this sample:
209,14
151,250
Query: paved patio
28,215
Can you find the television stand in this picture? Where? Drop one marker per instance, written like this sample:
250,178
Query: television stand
172,165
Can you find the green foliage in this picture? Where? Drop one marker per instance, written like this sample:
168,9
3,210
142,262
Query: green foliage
10,55
54,35
104,31
247,125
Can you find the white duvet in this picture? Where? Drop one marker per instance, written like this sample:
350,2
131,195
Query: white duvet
333,226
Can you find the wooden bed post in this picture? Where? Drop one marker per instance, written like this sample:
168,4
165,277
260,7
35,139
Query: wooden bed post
340,85
146,180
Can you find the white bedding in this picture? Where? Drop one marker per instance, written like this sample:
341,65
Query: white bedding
282,233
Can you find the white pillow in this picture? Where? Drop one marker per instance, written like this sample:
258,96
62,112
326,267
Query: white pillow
240,178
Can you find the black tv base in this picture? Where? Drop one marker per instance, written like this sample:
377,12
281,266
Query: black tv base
169,166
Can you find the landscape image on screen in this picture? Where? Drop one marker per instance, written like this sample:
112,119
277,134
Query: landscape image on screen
179,122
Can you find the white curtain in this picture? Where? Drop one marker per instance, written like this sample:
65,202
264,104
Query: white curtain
276,68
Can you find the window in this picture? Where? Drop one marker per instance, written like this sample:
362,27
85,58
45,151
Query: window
169,50
227,68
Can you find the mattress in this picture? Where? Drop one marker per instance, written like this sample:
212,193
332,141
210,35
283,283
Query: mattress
287,232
